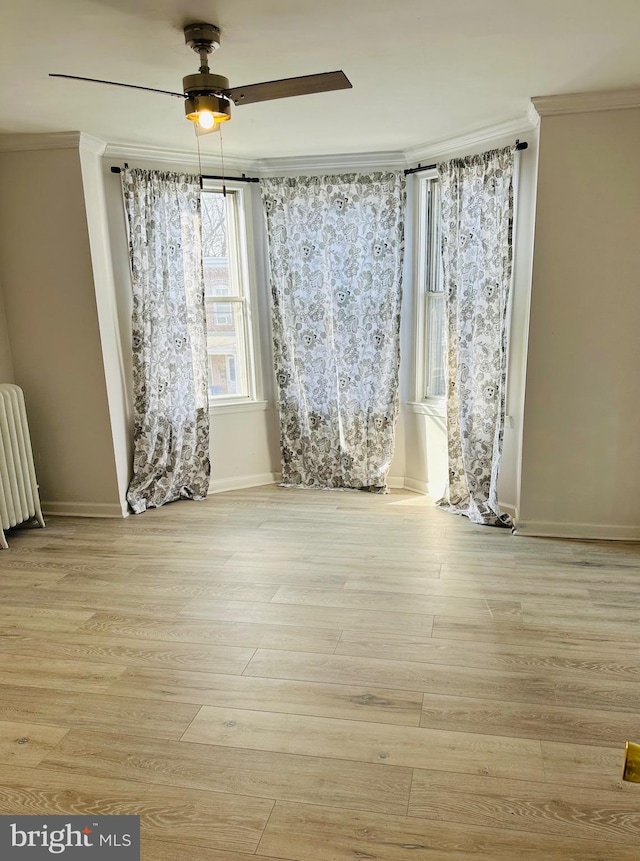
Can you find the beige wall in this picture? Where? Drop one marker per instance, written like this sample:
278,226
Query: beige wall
50,303
6,362
581,438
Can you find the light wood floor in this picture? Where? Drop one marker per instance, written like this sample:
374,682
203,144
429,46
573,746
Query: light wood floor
315,676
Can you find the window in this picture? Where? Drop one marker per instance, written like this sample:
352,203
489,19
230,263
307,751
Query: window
430,375
227,296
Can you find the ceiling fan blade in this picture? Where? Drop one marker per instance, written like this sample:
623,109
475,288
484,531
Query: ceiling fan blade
116,84
283,89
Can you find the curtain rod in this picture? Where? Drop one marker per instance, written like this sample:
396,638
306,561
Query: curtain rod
242,178
520,145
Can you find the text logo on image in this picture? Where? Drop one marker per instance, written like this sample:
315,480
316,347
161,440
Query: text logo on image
107,838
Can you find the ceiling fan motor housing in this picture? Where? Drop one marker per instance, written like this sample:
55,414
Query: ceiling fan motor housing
204,92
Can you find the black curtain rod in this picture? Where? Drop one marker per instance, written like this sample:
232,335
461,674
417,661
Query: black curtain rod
242,178
520,145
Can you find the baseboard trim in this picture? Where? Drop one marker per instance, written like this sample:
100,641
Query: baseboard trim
242,482
84,509
416,486
426,488
586,531
395,482
508,509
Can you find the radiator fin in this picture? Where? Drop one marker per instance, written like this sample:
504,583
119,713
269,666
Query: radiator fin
19,498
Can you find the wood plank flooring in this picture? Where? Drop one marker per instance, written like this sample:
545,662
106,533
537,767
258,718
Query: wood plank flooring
284,675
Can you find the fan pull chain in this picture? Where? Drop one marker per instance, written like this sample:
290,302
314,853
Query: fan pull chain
199,159
224,187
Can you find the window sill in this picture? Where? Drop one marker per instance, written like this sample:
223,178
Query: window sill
435,408
224,407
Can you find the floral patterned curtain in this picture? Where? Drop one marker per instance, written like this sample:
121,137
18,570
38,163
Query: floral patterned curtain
336,253
171,439
477,213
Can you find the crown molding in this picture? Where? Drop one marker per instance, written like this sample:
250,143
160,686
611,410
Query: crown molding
133,153
352,162
357,161
90,144
38,141
533,116
397,159
578,103
469,141
261,167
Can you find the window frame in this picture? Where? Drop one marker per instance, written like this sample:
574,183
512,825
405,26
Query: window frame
242,267
427,203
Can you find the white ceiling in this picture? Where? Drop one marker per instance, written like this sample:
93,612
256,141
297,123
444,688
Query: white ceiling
422,70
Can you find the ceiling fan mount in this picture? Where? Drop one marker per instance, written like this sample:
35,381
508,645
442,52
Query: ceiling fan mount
202,37
207,97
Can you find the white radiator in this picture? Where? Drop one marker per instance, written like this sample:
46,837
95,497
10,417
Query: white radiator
19,498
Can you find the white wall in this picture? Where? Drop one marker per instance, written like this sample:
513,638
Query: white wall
581,445
245,448
426,450
50,303
525,203
116,366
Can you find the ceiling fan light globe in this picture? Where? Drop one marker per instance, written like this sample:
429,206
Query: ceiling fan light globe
206,120
197,105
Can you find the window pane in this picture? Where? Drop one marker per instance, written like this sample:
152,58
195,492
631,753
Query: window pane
219,246
214,225
436,249
431,360
225,298
435,345
219,316
226,348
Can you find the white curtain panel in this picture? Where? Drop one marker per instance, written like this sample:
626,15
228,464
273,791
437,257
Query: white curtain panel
477,215
336,247
171,437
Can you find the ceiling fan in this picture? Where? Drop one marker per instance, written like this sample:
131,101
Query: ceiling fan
207,97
